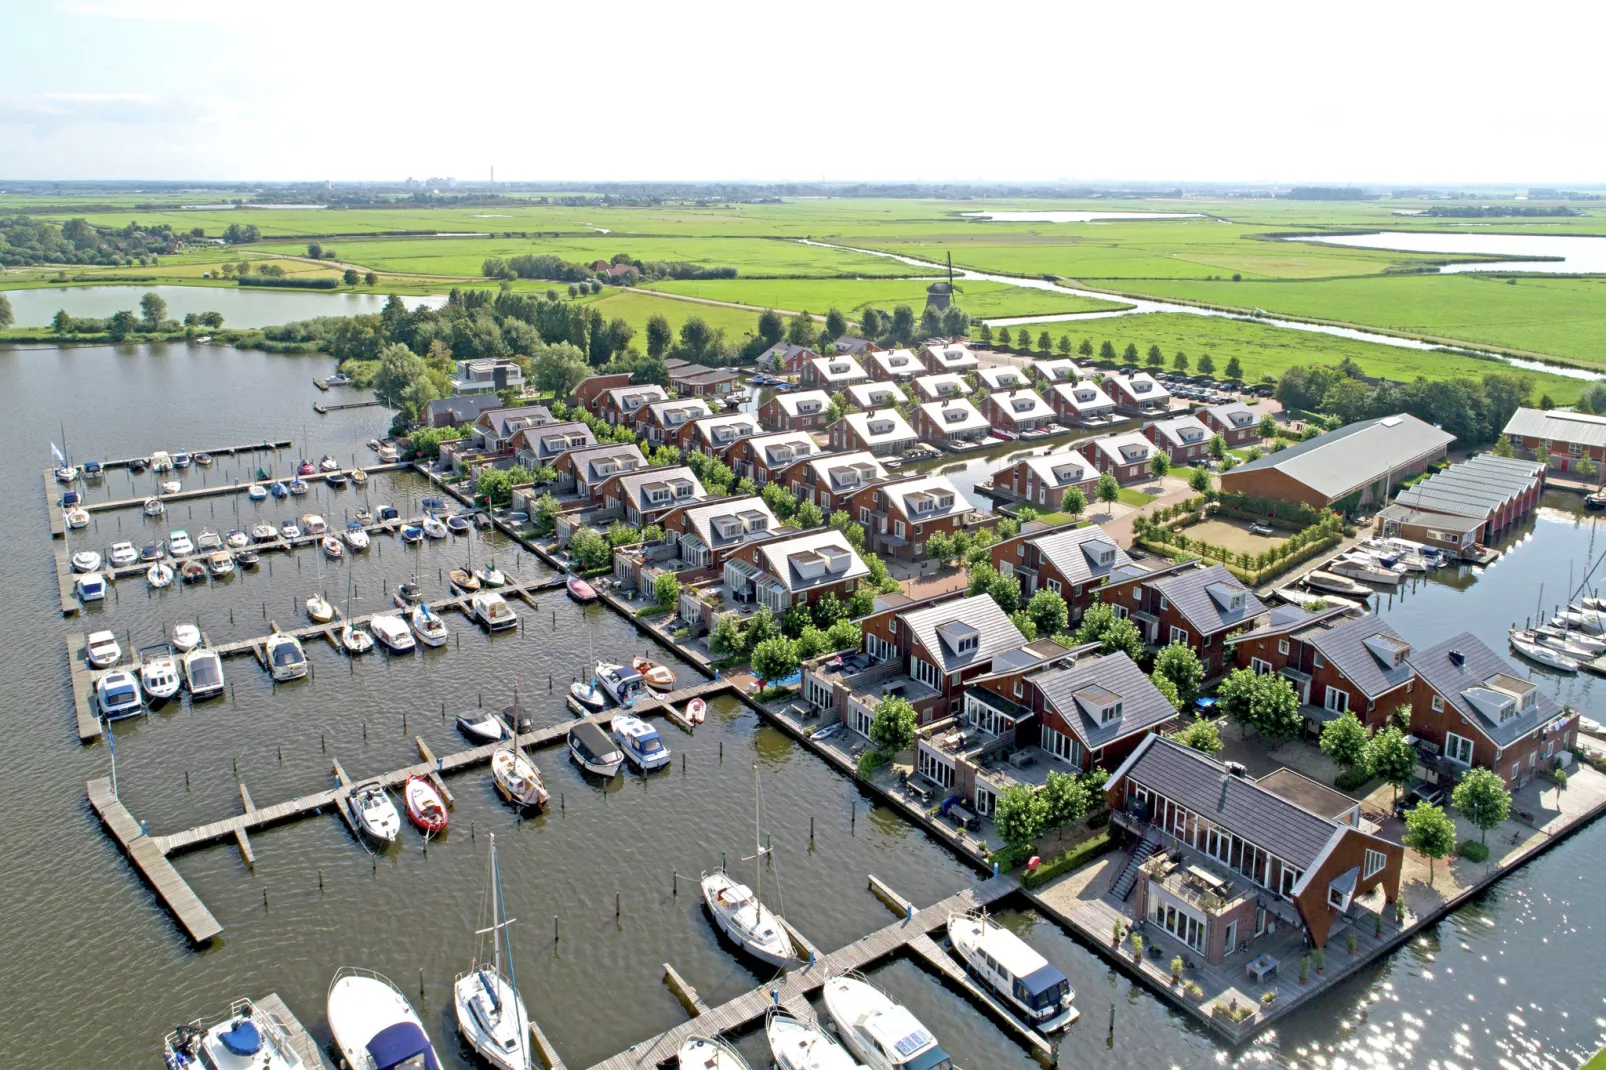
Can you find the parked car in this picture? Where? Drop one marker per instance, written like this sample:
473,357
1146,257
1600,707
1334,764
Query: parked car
1421,792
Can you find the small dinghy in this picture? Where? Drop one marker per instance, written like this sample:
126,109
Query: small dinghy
318,610
696,711
77,518
237,540
464,580
247,558
425,807
580,590
517,778
171,486
86,561
186,637
355,640
256,492
159,576
154,507
358,477
192,572
373,813
333,548
481,725
458,524
658,677
336,479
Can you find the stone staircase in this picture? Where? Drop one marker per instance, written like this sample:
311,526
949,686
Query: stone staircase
1129,873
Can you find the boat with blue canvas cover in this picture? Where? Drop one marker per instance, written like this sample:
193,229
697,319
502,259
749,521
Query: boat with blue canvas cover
640,742
374,1026
248,1039
1013,969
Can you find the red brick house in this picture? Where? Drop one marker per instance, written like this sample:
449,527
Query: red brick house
1197,607
795,571
665,422
707,534
716,435
583,470
1013,413
762,457
1235,422
832,480
1080,402
940,357
944,423
592,387
1138,394
896,365
1125,456
1063,370
698,381
1185,440
786,358
833,373
1337,663
868,397
802,410
643,496
900,516
1074,562
940,387
1001,378
1043,481
884,433
624,406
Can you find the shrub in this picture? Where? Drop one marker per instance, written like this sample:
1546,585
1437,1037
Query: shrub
1350,940
288,283
1176,966
1473,851
1268,997
871,760
1318,955
1351,779
1559,776
1304,969
1069,860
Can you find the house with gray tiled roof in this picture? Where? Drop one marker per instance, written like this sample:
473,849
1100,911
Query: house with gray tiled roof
641,497
762,457
1093,711
1185,439
785,357
883,432
1042,481
833,373
1234,421
898,365
540,447
1197,607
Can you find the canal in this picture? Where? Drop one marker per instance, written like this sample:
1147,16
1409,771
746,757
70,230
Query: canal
95,972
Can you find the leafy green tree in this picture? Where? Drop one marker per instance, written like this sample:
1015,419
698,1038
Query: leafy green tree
1156,359
795,620
1074,502
61,322
349,276
660,335
781,503
808,515
1182,666
1218,447
545,512
1344,740
1430,833
847,634
315,251
762,626
1086,348
1267,428
726,637
1109,491
879,577
771,328
1159,463
1019,816
1482,799
1006,592
495,484
1106,350
121,325
1129,355
1063,346
592,548
1180,361
828,610
1199,479
1201,736
1234,369
1391,758
7,317
800,330
940,547
1048,611
1164,685
558,369
893,726
811,643
666,591
836,324
152,310
774,659
1044,343
1100,625
1065,800
1207,364
370,279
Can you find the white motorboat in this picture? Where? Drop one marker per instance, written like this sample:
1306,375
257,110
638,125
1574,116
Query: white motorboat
709,1053
248,1039
237,540
66,473
492,610
434,528
356,536
800,1046
220,563
356,640
327,463
517,778
77,518
374,1026
592,750
117,695
313,524
333,548
86,561
186,637
182,460
319,610
640,741
393,632
170,486
740,914
1590,645
289,530
161,462
203,673
101,650
490,576
158,671
91,587
372,811
208,541
1011,968
264,532
1549,657
286,659
159,575
427,626
482,725
179,544
1366,568
256,492
623,684
883,1034
1327,581
491,1014
154,507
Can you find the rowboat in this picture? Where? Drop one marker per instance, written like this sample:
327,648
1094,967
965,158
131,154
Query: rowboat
580,590
696,711
661,677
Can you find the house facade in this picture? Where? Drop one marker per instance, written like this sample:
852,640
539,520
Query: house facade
833,373
698,381
1017,412
1138,394
786,358
1197,607
884,433
625,406
1235,422
643,497
584,470
1080,401
1075,563
940,357
1337,662
716,436
802,410
1001,377
1043,481
895,365
900,516
833,480
1057,371
761,457
948,423
1125,456
664,423
940,387
540,447
1185,439
868,397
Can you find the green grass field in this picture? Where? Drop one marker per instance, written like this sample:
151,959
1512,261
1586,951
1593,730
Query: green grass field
1559,317
636,307
853,296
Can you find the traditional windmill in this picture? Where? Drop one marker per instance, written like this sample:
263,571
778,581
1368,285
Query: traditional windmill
939,295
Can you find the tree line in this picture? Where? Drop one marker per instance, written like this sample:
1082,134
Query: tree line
25,241
1475,411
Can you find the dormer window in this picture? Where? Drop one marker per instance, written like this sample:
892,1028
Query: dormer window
954,416
959,637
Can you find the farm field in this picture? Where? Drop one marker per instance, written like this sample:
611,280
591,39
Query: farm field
636,308
1266,350
1558,317
853,296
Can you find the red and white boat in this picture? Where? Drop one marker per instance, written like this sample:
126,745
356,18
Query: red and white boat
660,677
581,591
696,711
425,807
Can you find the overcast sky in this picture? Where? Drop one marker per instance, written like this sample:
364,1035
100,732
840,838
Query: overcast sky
1399,92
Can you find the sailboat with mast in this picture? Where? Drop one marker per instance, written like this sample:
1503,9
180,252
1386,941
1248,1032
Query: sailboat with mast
738,911
516,776
490,1012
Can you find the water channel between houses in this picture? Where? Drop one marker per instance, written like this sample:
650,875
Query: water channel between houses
95,972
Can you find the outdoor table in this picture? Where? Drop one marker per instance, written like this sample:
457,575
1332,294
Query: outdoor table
1260,969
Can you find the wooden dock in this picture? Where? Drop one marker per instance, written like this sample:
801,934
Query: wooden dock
152,863
792,989
220,489
324,410
311,1054
83,690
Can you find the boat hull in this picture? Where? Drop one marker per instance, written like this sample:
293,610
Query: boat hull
483,1029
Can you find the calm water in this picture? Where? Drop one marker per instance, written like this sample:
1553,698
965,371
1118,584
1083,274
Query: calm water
240,307
1581,254
95,972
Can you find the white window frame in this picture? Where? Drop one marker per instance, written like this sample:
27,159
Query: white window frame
1376,862
1053,585
986,800
1063,746
1452,751
1282,646
925,672
1330,700
1438,704
1259,667
1179,635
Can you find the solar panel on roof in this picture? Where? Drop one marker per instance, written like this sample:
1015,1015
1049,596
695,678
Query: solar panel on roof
913,1042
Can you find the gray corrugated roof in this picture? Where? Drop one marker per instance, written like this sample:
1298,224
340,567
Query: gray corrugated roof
981,613
1474,487
463,407
1142,704
1065,551
1479,664
1336,463
1558,426
1187,591
1204,786
1342,643
1404,514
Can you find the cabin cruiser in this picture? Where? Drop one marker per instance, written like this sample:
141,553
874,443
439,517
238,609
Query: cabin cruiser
264,532
389,455
186,636
373,812
179,544
139,464
312,524
384,513
122,554
288,530
800,1046
246,558
161,462
203,672
86,561
593,751
883,1034
91,587
621,684
374,1026
158,671
154,507
77,519
117,694
101,650
181,460
237,540
709,1053
150,552
410,592
248,1039
356,535
208,540
93,470
393,632
492,610
159,576
286,659
433,528
221,563
1327,581
1367,568
256,492
1011,968
70,498
482,725
640,742
429,628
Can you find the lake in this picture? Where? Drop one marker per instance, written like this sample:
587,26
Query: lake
240,306
1581,254
1075,217
96,971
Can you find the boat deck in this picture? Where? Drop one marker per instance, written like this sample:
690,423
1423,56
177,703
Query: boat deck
311,1055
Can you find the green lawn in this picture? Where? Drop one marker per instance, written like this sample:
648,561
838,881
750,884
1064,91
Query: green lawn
1598,1062
1135,497
635,307
853,296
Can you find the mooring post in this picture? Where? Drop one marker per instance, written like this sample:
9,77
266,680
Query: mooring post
554,928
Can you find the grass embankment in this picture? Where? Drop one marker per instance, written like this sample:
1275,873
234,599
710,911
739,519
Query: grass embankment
853,296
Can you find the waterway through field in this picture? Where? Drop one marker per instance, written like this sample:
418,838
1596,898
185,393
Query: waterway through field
95,971
1566,254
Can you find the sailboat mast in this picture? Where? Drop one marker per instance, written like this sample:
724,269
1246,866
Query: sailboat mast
496,908
512,975
758,846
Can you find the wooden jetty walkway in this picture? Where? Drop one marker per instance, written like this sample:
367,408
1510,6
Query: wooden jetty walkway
312,1056
324,410
150,853
910,933
220,489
